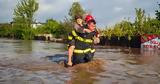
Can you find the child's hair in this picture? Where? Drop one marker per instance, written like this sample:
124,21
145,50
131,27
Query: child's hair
78,17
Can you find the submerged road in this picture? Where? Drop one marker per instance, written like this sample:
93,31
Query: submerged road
27,62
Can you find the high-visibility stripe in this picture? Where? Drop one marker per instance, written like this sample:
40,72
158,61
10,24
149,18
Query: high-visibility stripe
70,37
74,33
93,50
81,39
88,41
84,51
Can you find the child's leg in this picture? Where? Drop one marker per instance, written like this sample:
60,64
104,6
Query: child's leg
70,53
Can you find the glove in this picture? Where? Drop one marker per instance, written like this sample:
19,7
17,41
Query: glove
96,40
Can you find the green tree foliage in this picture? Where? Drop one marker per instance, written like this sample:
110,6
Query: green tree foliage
24,12
158,12
127,29
117,30
52,27
76,9
157,20
107,32
139,21
5,30
124,28
23,19
67,24
146,25
143,25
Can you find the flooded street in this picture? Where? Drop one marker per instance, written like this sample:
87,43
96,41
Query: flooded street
26,62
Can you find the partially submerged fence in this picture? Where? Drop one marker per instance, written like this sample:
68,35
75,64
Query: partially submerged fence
150,41
143,41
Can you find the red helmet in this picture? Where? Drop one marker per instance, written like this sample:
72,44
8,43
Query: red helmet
88,18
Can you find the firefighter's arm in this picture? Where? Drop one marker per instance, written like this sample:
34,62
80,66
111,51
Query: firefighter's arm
96,37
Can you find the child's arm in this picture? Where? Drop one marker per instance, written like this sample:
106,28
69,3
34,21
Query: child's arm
78,28
86,30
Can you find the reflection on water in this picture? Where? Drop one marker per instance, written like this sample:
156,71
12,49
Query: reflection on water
148,56
82,77
24,61
29,48
86,73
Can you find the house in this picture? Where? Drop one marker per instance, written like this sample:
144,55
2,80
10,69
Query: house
34,24
37,24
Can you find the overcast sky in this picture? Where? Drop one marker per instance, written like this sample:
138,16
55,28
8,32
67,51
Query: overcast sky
106,12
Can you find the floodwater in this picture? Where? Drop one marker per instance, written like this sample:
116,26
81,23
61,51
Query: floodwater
30,62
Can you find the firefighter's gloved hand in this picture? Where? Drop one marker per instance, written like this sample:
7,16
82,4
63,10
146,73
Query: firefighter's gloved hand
96,40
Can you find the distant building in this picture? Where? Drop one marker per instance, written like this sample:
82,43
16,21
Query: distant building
37,24
34,25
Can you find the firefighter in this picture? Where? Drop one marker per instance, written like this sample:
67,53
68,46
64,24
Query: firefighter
78,27
83,43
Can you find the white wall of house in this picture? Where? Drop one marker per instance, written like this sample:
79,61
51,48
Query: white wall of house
35,25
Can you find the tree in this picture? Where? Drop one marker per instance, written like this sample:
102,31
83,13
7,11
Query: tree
67,24
127,29
117,31
24,17
5,30
158,13
24,12
146,24
53,27
107,32
76,9
157,21
140,18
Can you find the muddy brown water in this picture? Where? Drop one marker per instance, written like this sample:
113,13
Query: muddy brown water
26,62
